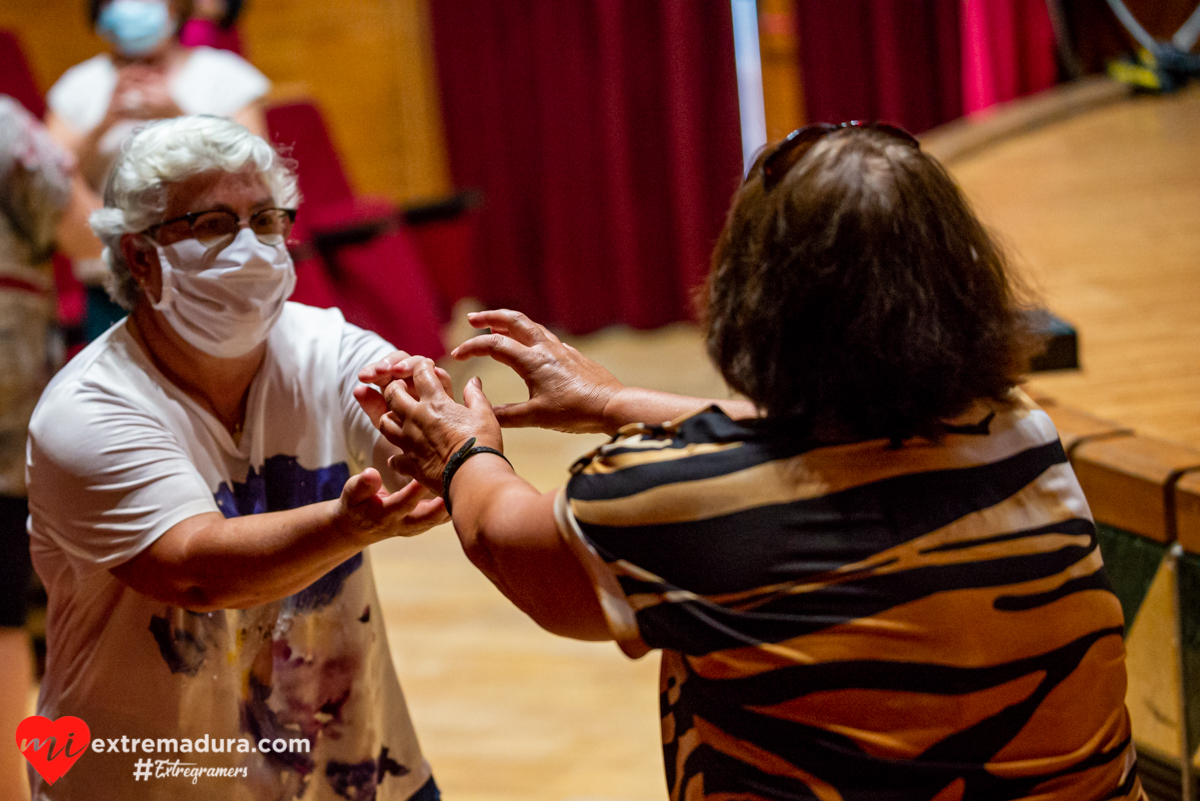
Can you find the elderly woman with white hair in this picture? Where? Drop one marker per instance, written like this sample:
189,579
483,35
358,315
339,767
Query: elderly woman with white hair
203,487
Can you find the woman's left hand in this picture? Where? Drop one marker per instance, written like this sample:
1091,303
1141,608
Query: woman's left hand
395,366
421,418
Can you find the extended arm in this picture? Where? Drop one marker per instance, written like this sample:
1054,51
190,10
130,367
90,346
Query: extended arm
507,530
208,562
568,391
505,525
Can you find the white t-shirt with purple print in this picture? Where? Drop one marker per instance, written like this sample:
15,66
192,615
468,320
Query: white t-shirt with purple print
117,456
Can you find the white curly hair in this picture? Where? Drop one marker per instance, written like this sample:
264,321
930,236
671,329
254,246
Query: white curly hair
166,152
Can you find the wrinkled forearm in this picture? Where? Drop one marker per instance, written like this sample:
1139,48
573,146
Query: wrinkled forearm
635,405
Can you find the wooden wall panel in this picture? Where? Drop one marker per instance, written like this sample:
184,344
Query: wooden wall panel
783,91
369,65
367,62
55,34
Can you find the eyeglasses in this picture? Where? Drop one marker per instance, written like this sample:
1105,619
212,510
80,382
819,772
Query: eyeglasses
209,228
787,153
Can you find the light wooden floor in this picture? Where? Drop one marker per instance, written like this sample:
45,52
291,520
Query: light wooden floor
1102,211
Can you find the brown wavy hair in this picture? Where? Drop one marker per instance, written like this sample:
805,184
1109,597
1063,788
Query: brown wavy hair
863,293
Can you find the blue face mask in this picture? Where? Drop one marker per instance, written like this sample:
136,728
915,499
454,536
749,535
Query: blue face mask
135,27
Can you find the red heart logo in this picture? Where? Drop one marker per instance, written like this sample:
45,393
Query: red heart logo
52,746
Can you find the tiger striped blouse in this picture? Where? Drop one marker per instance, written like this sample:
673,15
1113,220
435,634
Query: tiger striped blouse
930,621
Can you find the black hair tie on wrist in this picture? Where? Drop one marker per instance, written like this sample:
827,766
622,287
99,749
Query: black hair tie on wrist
464,453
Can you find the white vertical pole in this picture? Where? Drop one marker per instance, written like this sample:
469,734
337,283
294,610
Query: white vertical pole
749,78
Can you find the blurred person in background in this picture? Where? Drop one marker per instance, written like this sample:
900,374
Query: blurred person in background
878,578
149,75
37,212
213,24
202,489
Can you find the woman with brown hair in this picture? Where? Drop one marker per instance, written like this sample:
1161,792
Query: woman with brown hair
876,578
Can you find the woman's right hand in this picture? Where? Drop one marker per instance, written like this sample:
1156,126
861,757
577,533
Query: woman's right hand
567,391
368,513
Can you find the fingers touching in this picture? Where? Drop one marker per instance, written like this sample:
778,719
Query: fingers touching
404,500
372,372
389,376
391,368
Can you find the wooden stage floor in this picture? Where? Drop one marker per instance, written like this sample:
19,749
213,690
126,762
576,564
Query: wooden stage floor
1102,213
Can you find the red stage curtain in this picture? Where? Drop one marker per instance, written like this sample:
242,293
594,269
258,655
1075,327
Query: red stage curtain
920,63
604,135
1008,51
893,60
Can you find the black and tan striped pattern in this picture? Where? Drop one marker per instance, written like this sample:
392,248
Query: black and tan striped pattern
862,621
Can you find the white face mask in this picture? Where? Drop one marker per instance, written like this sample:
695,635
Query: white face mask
224,301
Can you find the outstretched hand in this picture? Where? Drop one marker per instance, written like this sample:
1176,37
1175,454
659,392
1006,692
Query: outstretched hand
368,511
567,391
416,413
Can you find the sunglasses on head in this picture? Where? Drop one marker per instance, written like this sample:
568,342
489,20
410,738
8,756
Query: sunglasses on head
792,148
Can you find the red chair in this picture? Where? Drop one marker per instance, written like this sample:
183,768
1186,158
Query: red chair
330,205
16,79
354,253
444,232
